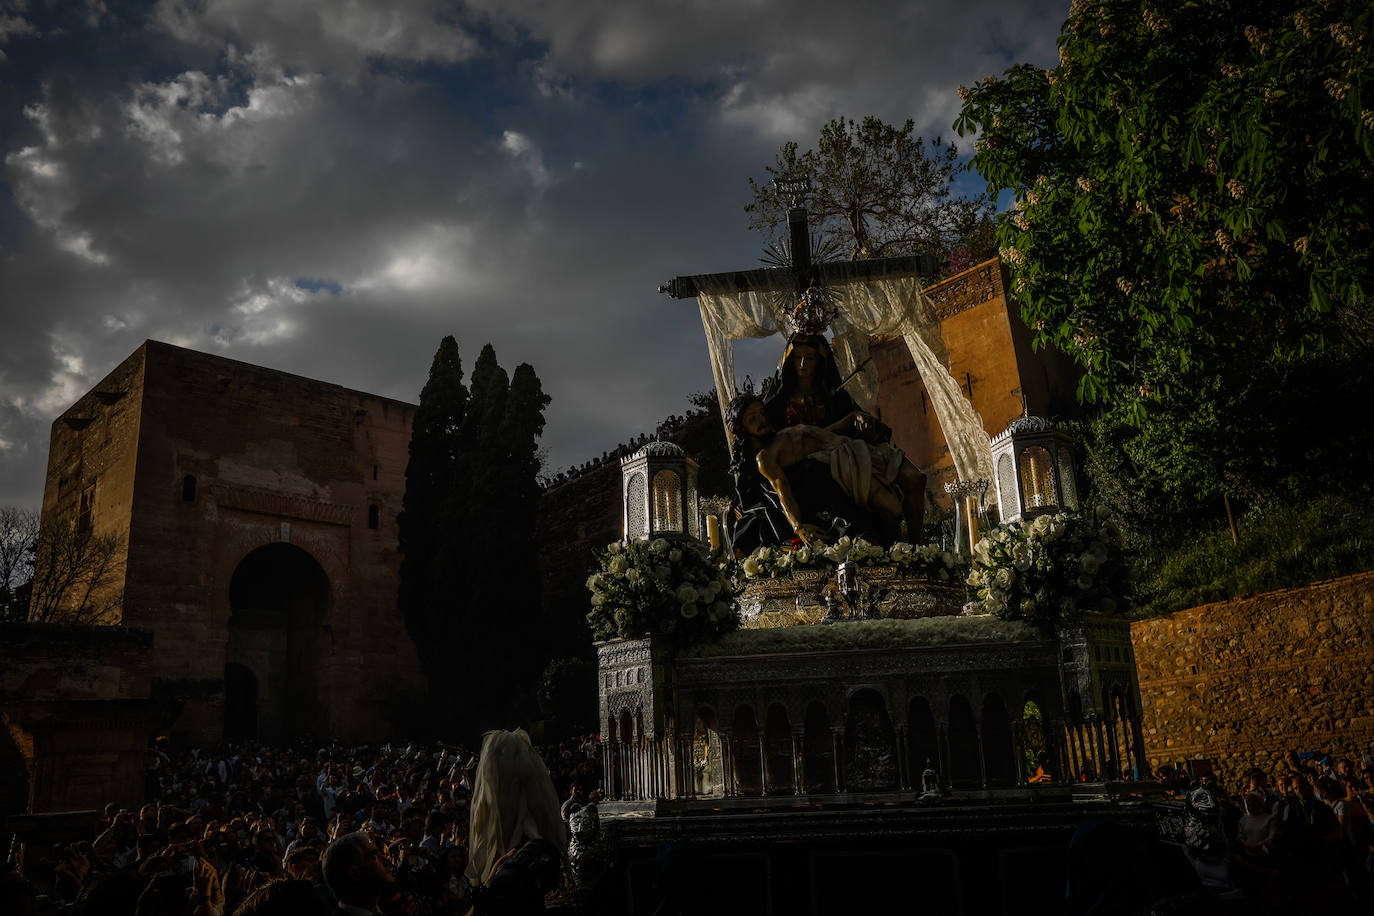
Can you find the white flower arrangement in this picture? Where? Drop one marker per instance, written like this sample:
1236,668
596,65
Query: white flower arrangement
1052,567
669,589
915,559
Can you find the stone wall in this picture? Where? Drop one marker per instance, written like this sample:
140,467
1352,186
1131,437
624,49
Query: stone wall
77,716
1241,681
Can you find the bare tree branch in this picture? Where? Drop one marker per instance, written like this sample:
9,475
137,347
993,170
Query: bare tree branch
74,577
18,540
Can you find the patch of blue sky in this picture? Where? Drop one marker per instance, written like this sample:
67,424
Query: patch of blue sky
315,284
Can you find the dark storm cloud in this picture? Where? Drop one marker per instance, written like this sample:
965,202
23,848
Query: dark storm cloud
329,195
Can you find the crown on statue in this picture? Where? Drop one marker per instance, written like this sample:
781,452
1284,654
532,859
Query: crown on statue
812,314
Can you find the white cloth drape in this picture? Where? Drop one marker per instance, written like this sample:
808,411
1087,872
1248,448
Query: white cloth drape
868,307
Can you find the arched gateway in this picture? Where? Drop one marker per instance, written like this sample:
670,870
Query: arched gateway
279,600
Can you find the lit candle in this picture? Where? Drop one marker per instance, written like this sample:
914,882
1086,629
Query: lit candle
971,512
713,531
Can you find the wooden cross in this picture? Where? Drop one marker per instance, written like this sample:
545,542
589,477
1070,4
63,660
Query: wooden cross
802,273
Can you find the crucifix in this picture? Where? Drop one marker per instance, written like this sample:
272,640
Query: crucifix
801,273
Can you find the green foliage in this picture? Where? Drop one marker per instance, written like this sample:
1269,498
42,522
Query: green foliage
1192,186
469,589
671,589
1281,544
1272,428
877,190
1052,568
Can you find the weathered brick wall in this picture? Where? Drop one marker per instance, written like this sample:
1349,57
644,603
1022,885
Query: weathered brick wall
1241,681
75,716
987,349
93,450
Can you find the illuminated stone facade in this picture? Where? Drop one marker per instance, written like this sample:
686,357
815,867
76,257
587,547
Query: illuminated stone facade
258,512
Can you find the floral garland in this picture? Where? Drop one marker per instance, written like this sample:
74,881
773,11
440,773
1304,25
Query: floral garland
1053,567
673,589
916,559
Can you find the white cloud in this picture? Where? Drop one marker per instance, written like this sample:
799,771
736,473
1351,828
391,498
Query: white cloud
431,259
522,149
338,37
44,193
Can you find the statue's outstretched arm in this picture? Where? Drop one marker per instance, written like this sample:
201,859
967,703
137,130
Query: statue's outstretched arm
772,472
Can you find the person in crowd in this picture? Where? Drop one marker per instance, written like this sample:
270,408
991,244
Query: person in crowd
357,873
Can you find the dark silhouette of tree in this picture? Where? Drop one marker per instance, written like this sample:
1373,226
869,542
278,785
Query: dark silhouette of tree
432,565
18,542
469,579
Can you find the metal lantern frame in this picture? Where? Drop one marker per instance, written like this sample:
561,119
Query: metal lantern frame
1011,453
658,493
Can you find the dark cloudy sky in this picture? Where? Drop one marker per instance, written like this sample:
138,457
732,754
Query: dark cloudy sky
329,187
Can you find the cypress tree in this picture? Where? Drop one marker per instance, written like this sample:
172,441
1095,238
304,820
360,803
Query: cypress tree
469,577
521,425
425,527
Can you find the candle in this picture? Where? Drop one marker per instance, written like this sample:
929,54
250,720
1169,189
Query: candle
713,531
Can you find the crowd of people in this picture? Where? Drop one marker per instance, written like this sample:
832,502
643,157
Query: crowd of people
1282,842
252,828
256,829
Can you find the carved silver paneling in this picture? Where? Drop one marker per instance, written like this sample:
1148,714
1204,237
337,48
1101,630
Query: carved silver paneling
1006,488
636,502
1066,479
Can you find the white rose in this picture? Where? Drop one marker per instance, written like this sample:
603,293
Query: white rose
594,581
803,555
658,545
1085,583
1088,564
689,610
1004,578
751,566
619,564
613,547
686,592
598,600
633,575
764,554
1103,513
785,561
